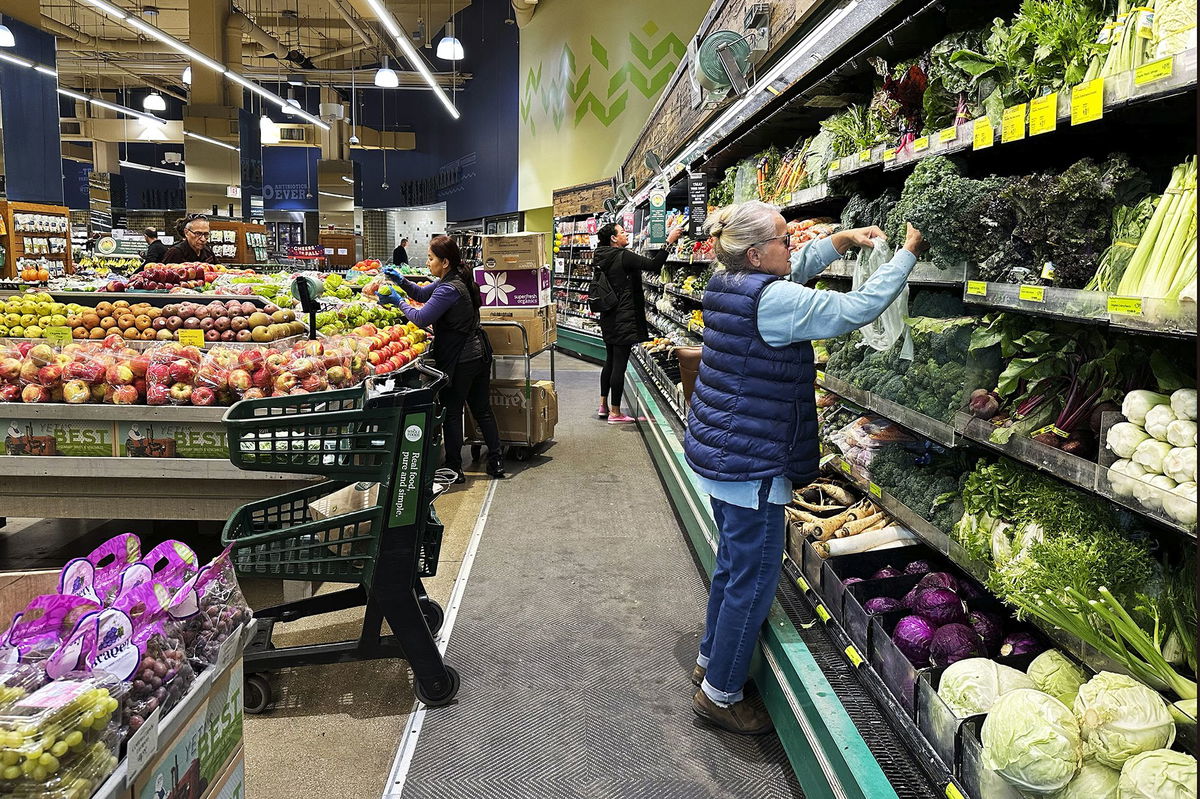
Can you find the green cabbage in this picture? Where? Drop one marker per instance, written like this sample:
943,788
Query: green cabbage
1120,717
1032,740
1161,774
1094,781
1057,675
972,686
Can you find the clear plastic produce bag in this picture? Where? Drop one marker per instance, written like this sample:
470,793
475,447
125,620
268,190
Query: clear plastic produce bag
885,331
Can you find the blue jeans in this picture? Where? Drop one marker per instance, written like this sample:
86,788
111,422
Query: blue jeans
749,559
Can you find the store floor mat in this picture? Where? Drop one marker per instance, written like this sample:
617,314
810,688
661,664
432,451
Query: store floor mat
333,730
575,638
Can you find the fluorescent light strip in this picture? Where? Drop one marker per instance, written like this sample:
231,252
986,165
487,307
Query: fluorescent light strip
45,70
197,56
333,194
120,109
144,168
414,58
15,59
74,95
218,143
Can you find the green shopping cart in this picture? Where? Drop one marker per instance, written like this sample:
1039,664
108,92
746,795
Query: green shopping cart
381,437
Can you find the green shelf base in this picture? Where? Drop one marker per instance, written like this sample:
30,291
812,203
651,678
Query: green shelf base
585,345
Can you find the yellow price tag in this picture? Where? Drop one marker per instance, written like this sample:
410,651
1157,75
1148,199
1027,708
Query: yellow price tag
853,655
864,156
1032,293
1043,114
920,144
823,614
1087,101
875,490
952,792
800,581
948,134
889,154
821,377
1130,306
1012,127
1155,70
846,467
58,336
834,166
191,338
977,288
984,135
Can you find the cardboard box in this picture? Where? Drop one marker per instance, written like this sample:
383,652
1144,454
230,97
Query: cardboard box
199,753
540,324
509,405
232,782
515,287
515,251
17,588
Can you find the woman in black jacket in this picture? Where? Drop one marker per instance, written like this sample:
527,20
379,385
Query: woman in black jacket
460,349
625,325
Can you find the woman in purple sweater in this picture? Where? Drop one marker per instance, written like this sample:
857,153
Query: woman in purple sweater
460,349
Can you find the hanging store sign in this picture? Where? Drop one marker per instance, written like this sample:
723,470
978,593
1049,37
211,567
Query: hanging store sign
697,203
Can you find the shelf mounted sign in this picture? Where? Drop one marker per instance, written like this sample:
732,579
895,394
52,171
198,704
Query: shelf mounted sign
1087,101
984,136
697,203
1043,114
1155,70
1012,126
658,215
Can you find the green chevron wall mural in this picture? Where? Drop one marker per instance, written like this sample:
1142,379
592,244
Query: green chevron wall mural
590,75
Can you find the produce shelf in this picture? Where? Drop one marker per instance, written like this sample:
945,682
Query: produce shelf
1120,91
672,394
690,261
933,429
697,298
1075,305
856,162
1157,317
813,195
925,273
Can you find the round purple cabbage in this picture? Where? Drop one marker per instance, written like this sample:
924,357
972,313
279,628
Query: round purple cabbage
990,628
939,580
954,642
918,567
910,599
881,604
912,636
940,606
885,573
1021,644
852,580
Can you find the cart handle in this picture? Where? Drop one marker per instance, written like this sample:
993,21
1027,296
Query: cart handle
439,379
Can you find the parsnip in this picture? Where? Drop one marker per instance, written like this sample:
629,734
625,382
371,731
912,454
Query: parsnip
862,525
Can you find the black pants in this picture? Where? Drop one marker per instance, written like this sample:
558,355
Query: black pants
612,376
468,386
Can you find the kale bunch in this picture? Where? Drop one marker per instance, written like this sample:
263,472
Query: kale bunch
863,211
927,480
1063,219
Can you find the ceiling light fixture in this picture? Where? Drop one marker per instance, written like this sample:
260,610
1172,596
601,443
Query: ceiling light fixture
334,194
414,58
386,77
187,76
450,48
6,37
295,80
216,142
144,168
13,59
154,102
152,133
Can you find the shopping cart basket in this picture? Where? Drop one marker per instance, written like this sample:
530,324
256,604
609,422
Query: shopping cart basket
387,432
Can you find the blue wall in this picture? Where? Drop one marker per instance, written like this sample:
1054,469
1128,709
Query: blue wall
29,103
151,191
75,184
290,178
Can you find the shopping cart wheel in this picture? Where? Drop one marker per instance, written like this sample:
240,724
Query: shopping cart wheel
476,451
434,615
522,454
256,693
446,697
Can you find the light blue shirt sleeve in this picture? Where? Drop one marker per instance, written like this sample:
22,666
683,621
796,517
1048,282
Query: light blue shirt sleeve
813,259
744,493
789,312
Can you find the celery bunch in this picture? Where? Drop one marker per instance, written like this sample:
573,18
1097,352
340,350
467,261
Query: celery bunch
1164,263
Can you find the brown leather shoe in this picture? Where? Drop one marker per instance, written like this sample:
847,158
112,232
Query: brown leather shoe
748,717
698,673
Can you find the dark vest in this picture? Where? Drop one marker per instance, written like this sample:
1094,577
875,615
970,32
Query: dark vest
753,413
454,329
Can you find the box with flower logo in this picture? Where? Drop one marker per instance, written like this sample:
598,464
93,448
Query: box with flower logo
514,288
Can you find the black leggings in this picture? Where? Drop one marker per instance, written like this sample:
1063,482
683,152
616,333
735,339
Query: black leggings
612,376
468,386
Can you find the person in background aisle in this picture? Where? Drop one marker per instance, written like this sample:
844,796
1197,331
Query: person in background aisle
156,250
460,348
752,426
192,247
625,325
400,254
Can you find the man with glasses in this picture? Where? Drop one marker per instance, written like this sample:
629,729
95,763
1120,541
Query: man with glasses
192,247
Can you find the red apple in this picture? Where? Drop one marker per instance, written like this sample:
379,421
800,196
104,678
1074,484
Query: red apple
35,393
254,393
157,394
181,393
76,392
285,382
10,392
10,368
113,342
203,395
182,370
240,380
50,374
125,395
118,374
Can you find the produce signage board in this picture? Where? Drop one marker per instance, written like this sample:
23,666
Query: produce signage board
697,203
1087,102
165,440
658,215
1013,124
58,437
1043,114
406,484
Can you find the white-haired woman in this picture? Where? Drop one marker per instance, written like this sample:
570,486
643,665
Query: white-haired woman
752,425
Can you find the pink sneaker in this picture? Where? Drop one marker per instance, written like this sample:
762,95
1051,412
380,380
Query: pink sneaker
602,412
620,418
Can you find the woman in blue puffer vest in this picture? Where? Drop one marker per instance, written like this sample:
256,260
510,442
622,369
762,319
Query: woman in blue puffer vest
752,427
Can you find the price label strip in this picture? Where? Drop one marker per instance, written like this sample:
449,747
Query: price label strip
1127,306
1012,126
1043,114
823,614
846,467
920,144
864,156
984,136
57,336
853,655
229,650
1032,293
1087,102
875,490
1161,69
948,134
803,584
890,154
977,288
191,338
952,792
834,166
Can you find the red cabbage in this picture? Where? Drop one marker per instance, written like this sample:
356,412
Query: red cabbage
990,628
885,573
954,642
1021,644
918,567
912,636
940,606
939,580
910,599
881,604
852,580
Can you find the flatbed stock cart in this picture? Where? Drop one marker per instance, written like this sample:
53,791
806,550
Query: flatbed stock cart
371,523
523,445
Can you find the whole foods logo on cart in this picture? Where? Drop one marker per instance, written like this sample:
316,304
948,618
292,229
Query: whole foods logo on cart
413,433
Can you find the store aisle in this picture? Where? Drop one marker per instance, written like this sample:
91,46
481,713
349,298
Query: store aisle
575,638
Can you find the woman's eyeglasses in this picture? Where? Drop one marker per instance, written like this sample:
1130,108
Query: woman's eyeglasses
785,240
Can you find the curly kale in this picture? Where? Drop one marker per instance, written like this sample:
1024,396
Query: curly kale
863,211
